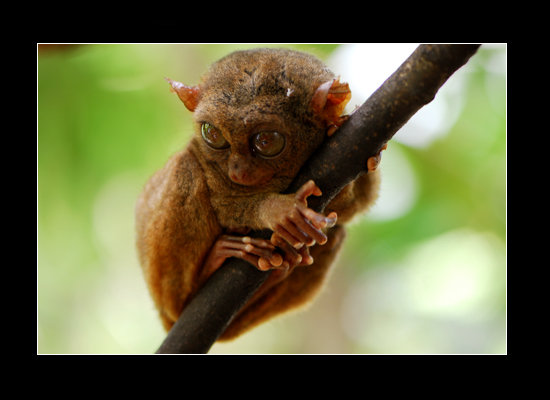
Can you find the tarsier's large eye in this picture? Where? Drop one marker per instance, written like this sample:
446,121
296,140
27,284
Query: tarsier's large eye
213,137
268,144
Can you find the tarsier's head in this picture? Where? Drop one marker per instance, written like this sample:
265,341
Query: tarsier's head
260,113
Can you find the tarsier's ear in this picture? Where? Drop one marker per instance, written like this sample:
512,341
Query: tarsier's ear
188,94
329,102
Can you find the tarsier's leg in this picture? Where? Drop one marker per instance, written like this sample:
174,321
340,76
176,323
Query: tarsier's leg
299,287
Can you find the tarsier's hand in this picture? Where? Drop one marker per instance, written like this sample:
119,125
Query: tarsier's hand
295,226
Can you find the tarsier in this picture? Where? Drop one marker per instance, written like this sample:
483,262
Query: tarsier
258,116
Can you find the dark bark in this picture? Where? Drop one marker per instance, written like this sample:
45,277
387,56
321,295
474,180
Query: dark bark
340,160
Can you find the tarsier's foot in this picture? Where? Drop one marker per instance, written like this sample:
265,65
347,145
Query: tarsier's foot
373,162
258,252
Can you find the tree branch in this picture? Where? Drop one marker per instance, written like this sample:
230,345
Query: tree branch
340,160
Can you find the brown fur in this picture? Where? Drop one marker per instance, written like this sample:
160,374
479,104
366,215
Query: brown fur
189,203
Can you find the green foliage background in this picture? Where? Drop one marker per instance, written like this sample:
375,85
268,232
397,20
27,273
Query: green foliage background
430,281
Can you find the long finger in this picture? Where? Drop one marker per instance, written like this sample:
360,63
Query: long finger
307,190
288,236
307,259
245,245
292,256
265,244
247,239
293,228
318,220
315,234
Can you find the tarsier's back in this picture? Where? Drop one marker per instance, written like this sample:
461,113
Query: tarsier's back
258,116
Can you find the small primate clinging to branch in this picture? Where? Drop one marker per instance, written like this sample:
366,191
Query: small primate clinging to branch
258,116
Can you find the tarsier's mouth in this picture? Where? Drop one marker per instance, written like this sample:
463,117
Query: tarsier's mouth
248,178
